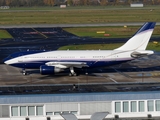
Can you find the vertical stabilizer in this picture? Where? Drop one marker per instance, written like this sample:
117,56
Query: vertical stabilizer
140,39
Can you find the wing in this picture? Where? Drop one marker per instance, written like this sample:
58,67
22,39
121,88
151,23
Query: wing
64,65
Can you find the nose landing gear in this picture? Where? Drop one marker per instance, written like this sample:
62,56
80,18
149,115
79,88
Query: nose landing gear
24,72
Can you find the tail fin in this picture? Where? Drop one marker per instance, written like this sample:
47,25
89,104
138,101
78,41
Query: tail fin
140,39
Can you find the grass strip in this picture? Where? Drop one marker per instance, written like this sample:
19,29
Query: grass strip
4,34
110,32
76,15
151,46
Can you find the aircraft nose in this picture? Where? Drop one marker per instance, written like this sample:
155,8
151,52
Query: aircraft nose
5,60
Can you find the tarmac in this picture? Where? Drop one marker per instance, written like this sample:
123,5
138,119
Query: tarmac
13,82
72,25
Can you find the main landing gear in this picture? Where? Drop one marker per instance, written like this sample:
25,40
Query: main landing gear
72,72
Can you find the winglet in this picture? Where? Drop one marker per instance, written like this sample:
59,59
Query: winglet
140,39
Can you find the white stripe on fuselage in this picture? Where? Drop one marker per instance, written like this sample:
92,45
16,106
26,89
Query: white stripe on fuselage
85,55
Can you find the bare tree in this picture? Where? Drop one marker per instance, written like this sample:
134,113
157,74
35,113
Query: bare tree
69,2
2,2
76,2
103,2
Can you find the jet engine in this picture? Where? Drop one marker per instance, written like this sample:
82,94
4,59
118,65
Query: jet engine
46,70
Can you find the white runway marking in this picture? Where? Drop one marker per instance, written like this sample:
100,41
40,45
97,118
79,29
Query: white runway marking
113,80
121,73
100,75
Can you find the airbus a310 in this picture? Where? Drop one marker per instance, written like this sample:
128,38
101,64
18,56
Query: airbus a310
50,62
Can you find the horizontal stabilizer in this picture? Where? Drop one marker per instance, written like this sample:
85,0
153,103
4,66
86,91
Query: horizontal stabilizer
138,54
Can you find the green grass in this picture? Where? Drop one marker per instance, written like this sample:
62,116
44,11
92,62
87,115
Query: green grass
151,46
114,32
72,15
90,47
4,34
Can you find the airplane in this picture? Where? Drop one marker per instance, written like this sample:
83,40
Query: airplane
50,62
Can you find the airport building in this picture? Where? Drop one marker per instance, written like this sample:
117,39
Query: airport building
19,104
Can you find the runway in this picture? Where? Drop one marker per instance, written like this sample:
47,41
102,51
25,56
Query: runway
73,25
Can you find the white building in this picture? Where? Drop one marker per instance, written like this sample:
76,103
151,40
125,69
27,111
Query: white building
42,106
136,5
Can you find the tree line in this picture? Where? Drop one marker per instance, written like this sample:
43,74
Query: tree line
29,3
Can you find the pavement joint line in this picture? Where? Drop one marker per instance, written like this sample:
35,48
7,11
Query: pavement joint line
7,71
108,77
122,73
40,33
113,80
77,78
65,79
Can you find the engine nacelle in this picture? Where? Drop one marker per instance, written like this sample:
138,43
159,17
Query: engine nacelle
46,70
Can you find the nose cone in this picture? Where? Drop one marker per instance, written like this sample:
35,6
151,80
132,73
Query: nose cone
6,60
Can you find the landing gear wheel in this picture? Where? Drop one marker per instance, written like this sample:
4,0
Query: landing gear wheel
24,72
72,73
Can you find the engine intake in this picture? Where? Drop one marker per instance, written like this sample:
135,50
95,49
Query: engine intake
46,70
